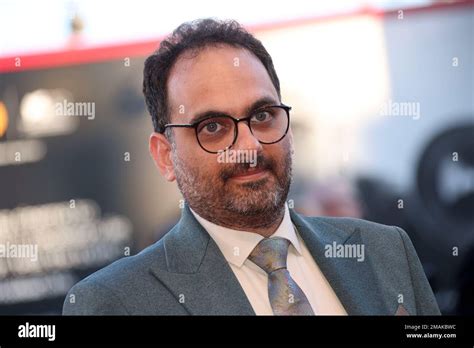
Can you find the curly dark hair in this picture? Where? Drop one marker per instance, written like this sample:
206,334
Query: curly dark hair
194,36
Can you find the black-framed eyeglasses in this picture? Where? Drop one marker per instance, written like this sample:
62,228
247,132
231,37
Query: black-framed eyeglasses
214,134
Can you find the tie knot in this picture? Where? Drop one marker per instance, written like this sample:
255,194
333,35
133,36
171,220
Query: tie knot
270,254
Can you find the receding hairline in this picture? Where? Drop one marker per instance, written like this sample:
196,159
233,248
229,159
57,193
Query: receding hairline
193,52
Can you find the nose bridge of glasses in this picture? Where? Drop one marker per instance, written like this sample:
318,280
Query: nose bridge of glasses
245,137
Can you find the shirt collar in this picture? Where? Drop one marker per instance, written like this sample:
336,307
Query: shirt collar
237,245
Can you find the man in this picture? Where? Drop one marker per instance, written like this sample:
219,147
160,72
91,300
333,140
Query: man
238,249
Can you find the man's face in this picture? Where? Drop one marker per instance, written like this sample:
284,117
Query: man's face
232,81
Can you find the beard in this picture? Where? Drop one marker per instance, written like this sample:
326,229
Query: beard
219,199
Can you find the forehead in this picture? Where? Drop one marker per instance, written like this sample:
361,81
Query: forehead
220,78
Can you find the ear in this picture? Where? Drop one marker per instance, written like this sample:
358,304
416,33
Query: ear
160,150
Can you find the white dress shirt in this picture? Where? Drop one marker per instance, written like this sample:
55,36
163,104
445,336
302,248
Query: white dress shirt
236,246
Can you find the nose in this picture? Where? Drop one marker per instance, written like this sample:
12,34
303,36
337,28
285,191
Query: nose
245,139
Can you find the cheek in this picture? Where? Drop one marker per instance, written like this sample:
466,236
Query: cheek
214,169
199,163
280,156
278,152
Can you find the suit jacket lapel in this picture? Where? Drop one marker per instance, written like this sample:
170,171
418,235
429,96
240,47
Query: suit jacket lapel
354,282
197,273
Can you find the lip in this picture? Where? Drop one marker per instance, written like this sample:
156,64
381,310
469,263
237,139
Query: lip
250,175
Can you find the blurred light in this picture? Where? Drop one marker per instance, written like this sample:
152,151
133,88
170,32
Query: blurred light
20,152
38,113
335,75
3,119
46,25
36,106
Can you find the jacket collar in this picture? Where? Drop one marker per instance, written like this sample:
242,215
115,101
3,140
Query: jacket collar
198,275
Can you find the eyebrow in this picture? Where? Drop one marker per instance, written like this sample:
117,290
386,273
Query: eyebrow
259,103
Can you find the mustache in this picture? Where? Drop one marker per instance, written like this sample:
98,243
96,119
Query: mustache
263,163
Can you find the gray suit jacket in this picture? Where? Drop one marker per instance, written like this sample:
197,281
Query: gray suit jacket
186,273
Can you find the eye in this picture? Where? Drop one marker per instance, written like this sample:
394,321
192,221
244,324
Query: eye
212,126
261,116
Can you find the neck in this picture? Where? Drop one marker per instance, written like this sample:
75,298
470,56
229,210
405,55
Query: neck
265,224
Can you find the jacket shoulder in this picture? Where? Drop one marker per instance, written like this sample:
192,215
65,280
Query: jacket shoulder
369,230
348,223
379,239
123,287
127,268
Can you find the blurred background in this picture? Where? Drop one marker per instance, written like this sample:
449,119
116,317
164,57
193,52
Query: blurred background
383,117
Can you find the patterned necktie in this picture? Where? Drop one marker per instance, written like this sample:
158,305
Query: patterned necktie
286,297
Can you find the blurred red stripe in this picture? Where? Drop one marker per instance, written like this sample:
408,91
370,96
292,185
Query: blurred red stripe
140,49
